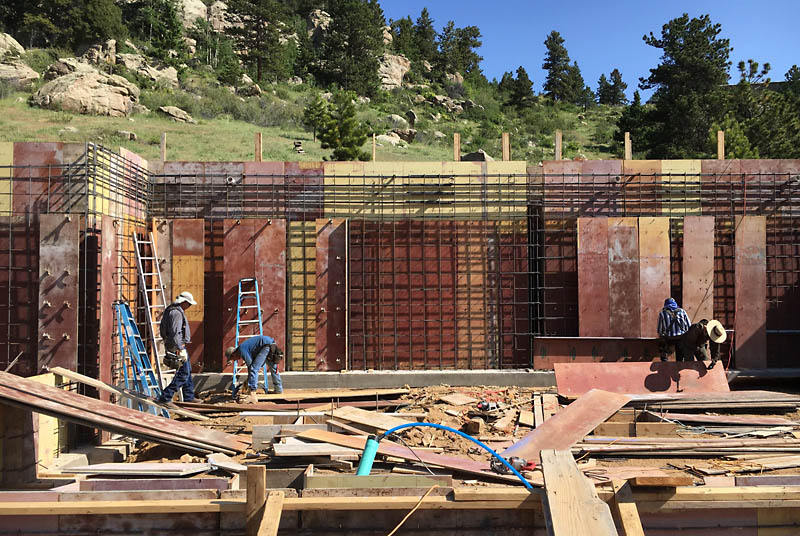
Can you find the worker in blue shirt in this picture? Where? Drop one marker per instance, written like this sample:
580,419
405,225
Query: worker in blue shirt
673,322
256,351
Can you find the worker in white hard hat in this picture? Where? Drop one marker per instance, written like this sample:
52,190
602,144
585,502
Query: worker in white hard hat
176,335
702,341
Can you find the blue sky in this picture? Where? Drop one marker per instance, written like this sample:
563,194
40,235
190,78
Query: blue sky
602,36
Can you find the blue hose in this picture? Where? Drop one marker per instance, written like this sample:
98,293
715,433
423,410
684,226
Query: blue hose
443,427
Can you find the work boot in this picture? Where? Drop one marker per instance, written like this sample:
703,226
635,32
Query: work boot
261,391
242,392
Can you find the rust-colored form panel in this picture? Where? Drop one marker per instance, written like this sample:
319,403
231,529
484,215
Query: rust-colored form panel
575,379
188,276
331,290
162,233
263,188
751,292
593,317
513,295
562,186
301,266
270,270
476,347
37,165
623,277
213,292
304,190
718,180
600,187
641,185
551,350
698,267
654,271
108,295
59,245
560,295
239,263
19,289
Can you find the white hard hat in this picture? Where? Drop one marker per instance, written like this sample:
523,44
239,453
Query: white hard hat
185,297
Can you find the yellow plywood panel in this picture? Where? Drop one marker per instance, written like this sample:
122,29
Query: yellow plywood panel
52,433
507,192
681,183
188,274
6,172
301,271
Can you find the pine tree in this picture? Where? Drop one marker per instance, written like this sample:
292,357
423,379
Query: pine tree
341,131
425,37
618,88
316,114
793,80
256,32
157,23
604,90
521,89
634,120
457,49
577,92
557,65
403,38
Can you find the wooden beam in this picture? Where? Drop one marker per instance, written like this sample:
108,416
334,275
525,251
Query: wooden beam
628,147
573,506
720,145
272,514
163,146
558,146
624,509
258,152
457,146
256,498
374,147
506,147
538,411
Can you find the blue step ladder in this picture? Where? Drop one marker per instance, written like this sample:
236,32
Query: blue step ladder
246,301
137,372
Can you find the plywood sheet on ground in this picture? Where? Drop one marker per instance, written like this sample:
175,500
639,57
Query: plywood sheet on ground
575,379
569,425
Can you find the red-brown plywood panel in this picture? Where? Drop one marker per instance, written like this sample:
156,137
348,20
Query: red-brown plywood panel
473,349
593,317
751,292
240,258
331,310
515,330
561,182
37,165
59,245
600,187
263,187
270,271
551,350
108,294
654,271
304,190
188,276
641,183
575,379
718,178
623,277
698,267
213,272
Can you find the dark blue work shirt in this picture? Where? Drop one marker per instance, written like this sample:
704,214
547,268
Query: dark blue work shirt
251,346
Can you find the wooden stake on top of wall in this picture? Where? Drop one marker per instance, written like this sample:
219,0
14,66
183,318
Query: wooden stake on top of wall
628,147
258,153
163,146
720,145
506,147
559,142
457,146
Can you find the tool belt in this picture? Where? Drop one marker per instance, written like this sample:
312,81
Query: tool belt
175,358
275,354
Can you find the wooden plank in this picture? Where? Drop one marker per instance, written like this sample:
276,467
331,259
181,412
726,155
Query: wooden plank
662,481
654,272
371,419
698,267
538,411
221,461
623,278
137,484
722,419
272,514
569,426
593,313
615,429
316,394
527,418
256,498
311,449
264,434
573,507
549,405
139,495
574,379
750,267
141,469
458,399
97,384
625,509
376,481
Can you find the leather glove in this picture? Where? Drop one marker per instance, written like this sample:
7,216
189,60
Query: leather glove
183,354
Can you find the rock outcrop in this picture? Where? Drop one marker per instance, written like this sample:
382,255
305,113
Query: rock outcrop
317,24
217,16
65,66
455,78
18,75
388,37
88,92
389,139
478,156
392,69
176,114
9,44
166,76
397,121
101,53
190,11
406,134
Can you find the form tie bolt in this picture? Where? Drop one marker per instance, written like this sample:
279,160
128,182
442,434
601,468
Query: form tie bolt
338,282
67,272
65,336
338,334
46,304
276,309
322,309
47,337
67,305
47,271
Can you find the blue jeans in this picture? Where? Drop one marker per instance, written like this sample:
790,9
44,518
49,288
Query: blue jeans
182,380
254,365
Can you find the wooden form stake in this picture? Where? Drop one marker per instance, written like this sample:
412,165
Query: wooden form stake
506,147
374,145
163,146
258,152
272,514
256,498
558,145
628,147
720,145
457,146
624,509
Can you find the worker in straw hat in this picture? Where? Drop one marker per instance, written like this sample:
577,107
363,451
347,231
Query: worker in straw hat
702,340
176,335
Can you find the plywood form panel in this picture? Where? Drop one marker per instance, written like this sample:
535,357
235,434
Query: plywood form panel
751,292
6,172
593,316
654,271
301,309
681,183
188,276
37,164
108,294
698,267
263,187
506,189
718,180
331,294
19,288
562,185
269,239
475,346
560,295
240,259
641,183
59,246
339,180
600,187
513,295
213,291
551,350
623,277
304,190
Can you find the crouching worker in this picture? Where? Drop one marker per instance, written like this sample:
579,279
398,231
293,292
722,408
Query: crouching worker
702,341
257,351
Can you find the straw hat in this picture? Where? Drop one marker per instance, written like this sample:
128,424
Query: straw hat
716,332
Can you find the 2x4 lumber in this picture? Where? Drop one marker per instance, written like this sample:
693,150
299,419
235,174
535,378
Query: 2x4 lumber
256,498
376,421
625,509
97,384
573,507
272,514
314,394
264,434
538,412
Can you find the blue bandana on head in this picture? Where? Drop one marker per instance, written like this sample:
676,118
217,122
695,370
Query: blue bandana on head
670,304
